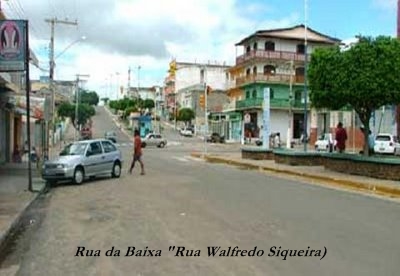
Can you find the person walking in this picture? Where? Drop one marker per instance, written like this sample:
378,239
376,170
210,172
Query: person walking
137,152
341,137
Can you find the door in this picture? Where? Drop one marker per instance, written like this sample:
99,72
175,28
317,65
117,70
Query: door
94,159
110,152
151,141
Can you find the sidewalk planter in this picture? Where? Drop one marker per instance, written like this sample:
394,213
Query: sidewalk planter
298,158
257,153
376,167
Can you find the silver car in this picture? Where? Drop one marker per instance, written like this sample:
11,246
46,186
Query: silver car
84,159
153,139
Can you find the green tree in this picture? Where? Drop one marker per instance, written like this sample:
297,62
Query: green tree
185,115
88,97
129,110
365,77
85,112
105,100
148,103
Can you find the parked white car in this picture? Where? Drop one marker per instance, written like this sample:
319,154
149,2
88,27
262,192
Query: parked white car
386,143
84,159
325,143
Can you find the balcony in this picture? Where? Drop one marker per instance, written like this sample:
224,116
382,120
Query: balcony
270,55
261,78
249,103
274,104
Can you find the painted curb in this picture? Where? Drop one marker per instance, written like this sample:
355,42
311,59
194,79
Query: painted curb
376,189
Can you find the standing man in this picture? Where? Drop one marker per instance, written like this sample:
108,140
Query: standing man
341,137
137,152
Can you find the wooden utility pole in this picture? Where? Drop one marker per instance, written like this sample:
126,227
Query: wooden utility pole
53,22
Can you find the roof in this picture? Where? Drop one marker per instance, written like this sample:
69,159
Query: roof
293,33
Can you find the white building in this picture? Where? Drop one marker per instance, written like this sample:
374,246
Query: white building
190,74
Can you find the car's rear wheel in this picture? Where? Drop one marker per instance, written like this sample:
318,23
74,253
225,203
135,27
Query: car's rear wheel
79,175
116,171
162,144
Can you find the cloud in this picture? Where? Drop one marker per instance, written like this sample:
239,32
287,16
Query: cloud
126,33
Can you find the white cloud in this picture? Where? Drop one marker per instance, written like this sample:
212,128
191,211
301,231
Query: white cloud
126,33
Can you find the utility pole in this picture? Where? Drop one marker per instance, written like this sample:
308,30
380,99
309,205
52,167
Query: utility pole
53,22
77,100
290,119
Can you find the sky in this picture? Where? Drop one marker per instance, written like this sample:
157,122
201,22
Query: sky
148,34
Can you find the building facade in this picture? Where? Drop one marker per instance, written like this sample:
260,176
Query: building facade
186,80
273,59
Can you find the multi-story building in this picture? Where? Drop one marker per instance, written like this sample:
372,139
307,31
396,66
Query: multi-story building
186,79
276,59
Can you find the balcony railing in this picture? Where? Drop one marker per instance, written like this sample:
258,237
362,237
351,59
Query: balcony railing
277,78
274,103
270,55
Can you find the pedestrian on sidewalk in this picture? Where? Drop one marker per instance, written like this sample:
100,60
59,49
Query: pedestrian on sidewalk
137,152
341,137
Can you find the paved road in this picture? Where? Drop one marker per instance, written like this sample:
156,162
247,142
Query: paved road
187,203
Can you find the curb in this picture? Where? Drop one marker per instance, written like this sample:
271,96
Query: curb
354,185
17,220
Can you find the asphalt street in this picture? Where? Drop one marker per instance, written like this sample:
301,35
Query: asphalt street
185,202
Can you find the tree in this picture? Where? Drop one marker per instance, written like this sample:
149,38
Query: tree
105,100
365,77
88,97
148,103
85,112
185,115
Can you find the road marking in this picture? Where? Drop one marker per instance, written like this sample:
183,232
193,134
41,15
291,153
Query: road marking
180,159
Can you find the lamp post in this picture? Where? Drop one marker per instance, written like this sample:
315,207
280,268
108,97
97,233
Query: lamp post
305,135
138,80
290,113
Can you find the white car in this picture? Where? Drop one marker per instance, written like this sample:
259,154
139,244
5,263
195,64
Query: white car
154,139
386,143
325,143
186,132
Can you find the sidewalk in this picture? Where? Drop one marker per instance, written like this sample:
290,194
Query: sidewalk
15,198
318,174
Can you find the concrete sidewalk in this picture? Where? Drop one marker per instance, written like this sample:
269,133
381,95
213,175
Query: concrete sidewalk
15,198
318,174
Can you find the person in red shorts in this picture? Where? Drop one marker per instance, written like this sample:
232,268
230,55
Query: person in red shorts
341,137
137,152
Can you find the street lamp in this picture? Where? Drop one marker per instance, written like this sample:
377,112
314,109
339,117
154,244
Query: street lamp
82,38
290,113
305,135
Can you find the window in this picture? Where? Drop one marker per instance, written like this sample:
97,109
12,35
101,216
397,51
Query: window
247,94
269,70
255,46
95,148
301,49
255,70
158,136
254,94
108,147
248,71
202,75
271,93
248,49
269,46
